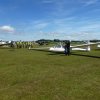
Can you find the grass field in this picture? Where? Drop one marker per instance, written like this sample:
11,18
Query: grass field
38,75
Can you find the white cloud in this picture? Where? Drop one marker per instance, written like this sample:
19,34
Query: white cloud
90,27
58,8
89,2
63,28
40,25
7,28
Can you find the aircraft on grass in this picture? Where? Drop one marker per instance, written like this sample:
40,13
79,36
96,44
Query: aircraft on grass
60,47
98,45
4,43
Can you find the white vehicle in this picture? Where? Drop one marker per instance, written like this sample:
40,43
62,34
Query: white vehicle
60,47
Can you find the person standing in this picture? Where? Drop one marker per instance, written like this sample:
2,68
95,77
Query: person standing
65,48
12,44
68,48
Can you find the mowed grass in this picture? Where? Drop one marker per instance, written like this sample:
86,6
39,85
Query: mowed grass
37,75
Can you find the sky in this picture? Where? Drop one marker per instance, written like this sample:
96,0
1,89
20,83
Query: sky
49,19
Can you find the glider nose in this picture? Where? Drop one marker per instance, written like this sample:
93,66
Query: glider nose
51,49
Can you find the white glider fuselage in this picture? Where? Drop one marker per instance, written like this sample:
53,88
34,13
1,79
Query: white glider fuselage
82,47
98,45
60,48
57,49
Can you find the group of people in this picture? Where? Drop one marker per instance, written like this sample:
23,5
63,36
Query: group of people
21,44
67,48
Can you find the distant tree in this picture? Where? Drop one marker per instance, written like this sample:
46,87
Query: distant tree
94,40
56,40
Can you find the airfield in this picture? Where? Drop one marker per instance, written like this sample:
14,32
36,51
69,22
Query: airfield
42,75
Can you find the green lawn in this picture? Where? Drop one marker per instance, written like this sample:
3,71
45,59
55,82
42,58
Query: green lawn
37,75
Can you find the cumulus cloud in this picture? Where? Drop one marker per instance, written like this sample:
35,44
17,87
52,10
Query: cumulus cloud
7,29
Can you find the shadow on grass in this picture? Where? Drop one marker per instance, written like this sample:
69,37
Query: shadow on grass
85,55
49,52
57,53
40,50
97,49
62,54
75,54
